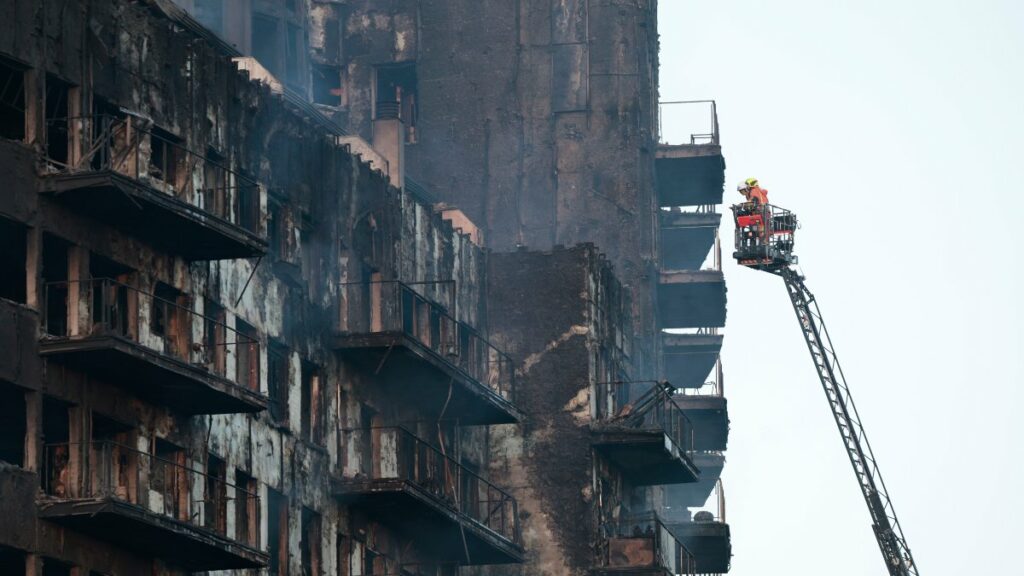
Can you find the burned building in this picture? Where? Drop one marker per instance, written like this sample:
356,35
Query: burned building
287,290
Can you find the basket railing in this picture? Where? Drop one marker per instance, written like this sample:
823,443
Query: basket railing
645,405
644,541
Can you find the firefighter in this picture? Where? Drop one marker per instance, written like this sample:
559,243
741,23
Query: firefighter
756,202
753,192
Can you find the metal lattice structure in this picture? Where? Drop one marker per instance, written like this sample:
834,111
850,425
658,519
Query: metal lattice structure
760,245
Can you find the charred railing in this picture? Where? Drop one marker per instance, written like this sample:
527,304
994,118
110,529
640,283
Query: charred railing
395,307
645,405
688,113
394,453
644,541
101,307
121,145
106,469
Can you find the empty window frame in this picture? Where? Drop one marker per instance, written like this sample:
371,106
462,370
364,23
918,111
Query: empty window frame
55,276
13,259
58,135
12,101
167,157
246,509
312,410
56,436
327,85
215,337
168,477
215,501
397,96
278,382
12,424
169,318
277,532
247,350
311,544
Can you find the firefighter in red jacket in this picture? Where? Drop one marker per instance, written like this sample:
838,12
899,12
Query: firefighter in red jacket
755,206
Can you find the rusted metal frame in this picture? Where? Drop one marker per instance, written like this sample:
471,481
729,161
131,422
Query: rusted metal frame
94,477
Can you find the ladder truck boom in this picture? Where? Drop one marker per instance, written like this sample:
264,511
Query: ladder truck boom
764,241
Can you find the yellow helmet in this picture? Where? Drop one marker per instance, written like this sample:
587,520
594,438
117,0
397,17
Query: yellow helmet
750,182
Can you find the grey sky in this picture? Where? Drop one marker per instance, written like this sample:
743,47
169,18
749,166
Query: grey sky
893,129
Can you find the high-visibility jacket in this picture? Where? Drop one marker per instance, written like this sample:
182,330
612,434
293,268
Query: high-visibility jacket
758,196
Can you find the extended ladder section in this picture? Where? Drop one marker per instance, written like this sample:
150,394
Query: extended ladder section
764,241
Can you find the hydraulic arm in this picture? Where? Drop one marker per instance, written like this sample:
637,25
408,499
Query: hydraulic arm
764,241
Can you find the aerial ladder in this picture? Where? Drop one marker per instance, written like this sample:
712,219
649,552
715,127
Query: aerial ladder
764,241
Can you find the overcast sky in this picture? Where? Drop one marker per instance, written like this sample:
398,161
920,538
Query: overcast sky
894,130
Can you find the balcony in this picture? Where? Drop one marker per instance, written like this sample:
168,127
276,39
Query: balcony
691,299
644,433
143,343
406,482
689,358
419,350
150,185
688,236
643,546
708,410
691,173
706,534
150,505
695,494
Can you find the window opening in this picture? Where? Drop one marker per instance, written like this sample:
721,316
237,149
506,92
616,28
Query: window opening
215,502
215,347
327,85
312,404
53,567
311,545
166,159
247,351
397,96
267,47
55,276
56,435
12,102
13,259
278,382
169,319
246,509
12,561
56,116
277,532
13,424
168,478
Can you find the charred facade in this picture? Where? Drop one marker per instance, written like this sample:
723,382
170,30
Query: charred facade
356,288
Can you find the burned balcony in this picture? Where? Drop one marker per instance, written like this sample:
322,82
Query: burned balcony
148,183
705,533
643,546
408,483
689,173
695,494
708,410
642,431
689,358
687,237
418,349
144,342
149,504
691,298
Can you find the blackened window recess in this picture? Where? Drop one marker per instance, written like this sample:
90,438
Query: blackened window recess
311,561
215,501
277,382
246,510
13,258
397,96
12,424
167,156
12,561
53,567
312,404
56,118
247,352
12,101
55,275
327,85
277,532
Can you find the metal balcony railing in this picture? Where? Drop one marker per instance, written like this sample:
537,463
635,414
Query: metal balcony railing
643,541
645,405
395,307
106,469
394,453
697,118
101,307
120,144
